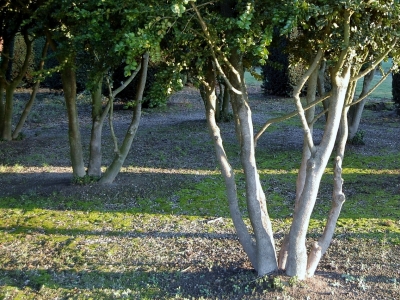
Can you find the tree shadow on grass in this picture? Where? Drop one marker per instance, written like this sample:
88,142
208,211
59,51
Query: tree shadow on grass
230,282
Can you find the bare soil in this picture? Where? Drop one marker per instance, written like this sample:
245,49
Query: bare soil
171,143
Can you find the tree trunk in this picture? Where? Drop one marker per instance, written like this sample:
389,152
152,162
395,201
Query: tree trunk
224,112
297,253
226,170
10,90
319,248
2,107
95,155
115,167
68,78
301,177
356,110
8,112
3,83
321,87
35,88
256,201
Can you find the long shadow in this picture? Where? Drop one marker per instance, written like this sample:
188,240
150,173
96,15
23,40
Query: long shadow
16,230
216,283
231,282
112,233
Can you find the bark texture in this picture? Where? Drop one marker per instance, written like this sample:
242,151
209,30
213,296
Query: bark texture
297,253
68,78
319,247
255,197
227,171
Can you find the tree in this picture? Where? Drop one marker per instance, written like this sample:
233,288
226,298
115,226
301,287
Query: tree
396,91
337,33
102,36
11,24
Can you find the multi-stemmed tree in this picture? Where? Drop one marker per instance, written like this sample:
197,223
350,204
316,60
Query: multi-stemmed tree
99,37
344,35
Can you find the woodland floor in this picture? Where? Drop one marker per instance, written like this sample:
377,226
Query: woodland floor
179,256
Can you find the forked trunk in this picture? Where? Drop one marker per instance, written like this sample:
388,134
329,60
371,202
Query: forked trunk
301,177
297,253
226,170
319,248
115,167
31,100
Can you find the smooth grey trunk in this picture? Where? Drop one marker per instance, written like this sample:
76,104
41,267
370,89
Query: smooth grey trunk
321,86
31,100
309,114
301,177
319,247
316,164
255,197
115,167
227,171
98,117
356,110
68,78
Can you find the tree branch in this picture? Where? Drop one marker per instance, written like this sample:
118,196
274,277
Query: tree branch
287,116
296,96
217,64
111,116
373,88
127,82
376,63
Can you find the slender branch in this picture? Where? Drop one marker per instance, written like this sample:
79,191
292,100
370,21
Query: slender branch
31,100
202,4
322,113
373,88
296,96
111,116
127,82
110,104
344,52
287,116
376,63
217,64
